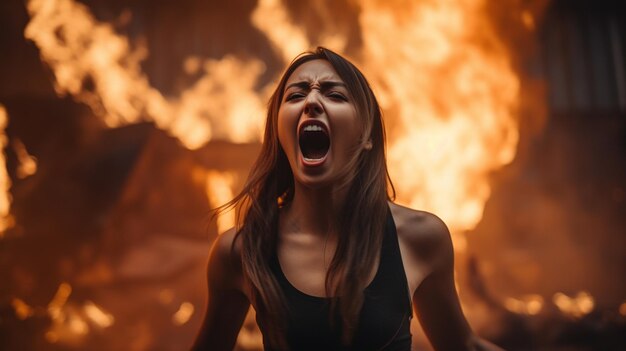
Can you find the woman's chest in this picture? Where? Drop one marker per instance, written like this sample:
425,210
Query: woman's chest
384,320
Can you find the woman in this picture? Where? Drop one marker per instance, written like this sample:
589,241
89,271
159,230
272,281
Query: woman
322,254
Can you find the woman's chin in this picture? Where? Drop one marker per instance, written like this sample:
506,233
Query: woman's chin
313,163
316,173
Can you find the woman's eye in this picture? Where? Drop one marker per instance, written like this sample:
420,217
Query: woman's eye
294,96
337,96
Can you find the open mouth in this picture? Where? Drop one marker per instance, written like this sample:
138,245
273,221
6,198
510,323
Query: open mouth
314,140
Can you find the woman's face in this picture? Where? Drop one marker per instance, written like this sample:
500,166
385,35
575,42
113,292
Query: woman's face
318,127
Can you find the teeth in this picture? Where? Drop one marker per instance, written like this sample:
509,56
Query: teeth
312,128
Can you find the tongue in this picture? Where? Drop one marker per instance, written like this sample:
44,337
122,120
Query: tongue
314,145
314,154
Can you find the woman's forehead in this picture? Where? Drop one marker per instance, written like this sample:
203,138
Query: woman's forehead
314,71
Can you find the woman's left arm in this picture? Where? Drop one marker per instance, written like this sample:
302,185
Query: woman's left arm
436,302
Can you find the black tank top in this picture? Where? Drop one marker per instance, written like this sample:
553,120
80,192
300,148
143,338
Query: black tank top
384,321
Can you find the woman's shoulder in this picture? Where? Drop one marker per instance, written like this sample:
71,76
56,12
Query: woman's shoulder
425,235
227,243
224,266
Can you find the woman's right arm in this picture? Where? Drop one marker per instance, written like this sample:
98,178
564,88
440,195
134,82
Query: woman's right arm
227,304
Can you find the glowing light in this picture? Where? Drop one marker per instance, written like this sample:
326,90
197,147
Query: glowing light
219,188
530,304
622,309
27,165
77,325
22,309
59,300
6,221
528,19
577,306
185,311
69,325
98,316
192,65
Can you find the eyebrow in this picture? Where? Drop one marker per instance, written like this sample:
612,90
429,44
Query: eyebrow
324,84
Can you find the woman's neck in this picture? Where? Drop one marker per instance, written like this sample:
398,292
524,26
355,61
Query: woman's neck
314,211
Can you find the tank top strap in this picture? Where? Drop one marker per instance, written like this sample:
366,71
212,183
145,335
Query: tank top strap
393,257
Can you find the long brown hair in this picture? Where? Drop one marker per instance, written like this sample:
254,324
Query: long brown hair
362,217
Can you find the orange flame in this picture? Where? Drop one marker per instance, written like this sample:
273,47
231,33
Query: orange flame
219,187
578,306
58,301
27,164
273,19
452,94
82,50
287,38
455,99
6,221
97,315
68,324
530,304
22,309
185,311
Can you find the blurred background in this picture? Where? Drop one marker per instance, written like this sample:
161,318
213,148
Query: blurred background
123,122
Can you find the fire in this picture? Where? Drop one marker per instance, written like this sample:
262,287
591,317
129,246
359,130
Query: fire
449,142
97,315
441,73
68,324
577,306
273,19
219,187
442,145
59,300
530,304
185,311
6,220
455,99
27,163
22,309
97,67
287,38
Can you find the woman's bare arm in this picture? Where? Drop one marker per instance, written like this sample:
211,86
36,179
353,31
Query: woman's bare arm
227,304
436,301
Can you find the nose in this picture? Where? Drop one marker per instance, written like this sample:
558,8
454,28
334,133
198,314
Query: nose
313,107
